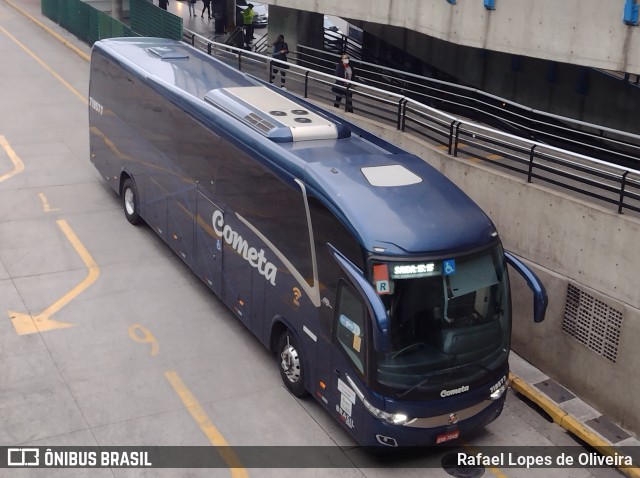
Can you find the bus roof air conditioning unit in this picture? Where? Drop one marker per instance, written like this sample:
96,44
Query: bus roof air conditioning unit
275,116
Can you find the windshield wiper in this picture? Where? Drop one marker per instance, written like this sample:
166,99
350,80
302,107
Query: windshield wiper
422,382
417,385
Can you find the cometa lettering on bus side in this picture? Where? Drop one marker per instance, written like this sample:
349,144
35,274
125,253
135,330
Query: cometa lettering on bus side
250,254
455,391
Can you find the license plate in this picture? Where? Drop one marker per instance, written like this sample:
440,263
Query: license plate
447,436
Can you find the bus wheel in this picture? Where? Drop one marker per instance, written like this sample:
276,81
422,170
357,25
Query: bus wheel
130,201
291,367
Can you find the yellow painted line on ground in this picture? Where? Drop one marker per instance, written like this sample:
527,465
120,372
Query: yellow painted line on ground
45,204
58,37
42,322
18,165
568,422
496,472
205,424
44,65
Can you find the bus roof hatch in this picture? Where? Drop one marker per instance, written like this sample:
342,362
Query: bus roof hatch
275,116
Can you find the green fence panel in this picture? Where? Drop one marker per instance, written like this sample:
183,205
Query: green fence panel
72,15
84,21
50,9
151,21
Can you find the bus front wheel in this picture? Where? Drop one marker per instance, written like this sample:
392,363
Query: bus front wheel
130,201
291,365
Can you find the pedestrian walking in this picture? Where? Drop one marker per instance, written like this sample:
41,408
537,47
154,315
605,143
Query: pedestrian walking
280,50
207,7
247,20
341,88
192,8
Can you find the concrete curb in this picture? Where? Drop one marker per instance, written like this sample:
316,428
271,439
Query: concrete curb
569,423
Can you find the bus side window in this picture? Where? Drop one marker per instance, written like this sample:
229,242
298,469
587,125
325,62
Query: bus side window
350,327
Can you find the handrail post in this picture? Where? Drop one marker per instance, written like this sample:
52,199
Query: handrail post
240,61
271,71
209,48
306,84
402,111
451,126
623,185
457,136
532,155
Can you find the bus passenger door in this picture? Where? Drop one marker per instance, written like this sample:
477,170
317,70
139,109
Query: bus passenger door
208,245
358,311
348,358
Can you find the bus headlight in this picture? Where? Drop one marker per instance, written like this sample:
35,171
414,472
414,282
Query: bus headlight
392,418
498,393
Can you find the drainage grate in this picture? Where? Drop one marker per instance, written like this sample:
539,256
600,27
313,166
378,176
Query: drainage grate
450,464
592,323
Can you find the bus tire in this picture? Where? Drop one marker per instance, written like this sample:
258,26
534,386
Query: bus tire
291,364
130,201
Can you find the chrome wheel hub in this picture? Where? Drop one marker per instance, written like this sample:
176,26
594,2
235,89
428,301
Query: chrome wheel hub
129,204
290,363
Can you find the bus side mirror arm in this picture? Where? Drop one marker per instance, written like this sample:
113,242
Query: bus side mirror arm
372,300
540,299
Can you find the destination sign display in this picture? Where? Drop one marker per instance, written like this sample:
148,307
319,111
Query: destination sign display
409,271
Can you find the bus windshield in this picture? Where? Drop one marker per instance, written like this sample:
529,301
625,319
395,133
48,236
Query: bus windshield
449,323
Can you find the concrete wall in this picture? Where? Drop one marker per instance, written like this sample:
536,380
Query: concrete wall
583,32
565,240
298,27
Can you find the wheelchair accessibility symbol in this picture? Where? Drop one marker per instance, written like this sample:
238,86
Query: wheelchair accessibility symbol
449,267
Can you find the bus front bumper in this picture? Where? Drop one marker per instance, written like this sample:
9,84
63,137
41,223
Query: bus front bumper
421,432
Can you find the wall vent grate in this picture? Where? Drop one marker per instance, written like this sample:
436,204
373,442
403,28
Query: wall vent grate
592,323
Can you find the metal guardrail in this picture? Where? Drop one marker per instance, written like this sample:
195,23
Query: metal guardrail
604,143
607,183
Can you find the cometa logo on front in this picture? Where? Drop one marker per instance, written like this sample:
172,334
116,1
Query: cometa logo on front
455,391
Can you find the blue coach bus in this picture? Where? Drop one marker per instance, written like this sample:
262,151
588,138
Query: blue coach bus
380,286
